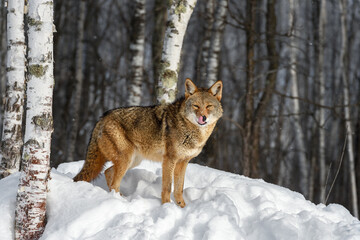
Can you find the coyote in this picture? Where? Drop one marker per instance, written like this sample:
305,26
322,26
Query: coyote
169,133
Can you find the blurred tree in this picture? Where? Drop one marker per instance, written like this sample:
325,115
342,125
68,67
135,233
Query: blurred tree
348,123
3,50
321,79
213,57
250,81
137,52
300,139
79,64
205,48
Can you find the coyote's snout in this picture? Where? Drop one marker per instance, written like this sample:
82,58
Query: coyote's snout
171,133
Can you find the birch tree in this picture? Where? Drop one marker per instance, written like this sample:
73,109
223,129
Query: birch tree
215,43
31,198
12,142
79,61
348,124
299,136
137,50
179,13
321,120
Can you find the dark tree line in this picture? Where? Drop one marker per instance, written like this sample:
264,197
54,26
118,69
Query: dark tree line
285,66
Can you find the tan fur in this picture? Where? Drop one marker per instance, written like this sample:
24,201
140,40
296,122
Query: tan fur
170,134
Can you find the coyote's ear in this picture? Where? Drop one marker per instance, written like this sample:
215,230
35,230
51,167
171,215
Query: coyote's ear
216,89
190,88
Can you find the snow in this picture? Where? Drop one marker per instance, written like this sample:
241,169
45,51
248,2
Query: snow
220,205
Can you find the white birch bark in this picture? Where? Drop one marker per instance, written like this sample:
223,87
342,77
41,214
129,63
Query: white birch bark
322,162
12,142
348,124
31,198
215,44
137,49
79,82
299,135
179,13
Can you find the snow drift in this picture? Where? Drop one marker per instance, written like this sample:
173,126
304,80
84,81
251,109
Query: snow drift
220,205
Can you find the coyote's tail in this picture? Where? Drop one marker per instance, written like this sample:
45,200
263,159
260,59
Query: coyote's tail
93,165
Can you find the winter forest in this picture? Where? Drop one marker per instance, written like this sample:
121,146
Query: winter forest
290,71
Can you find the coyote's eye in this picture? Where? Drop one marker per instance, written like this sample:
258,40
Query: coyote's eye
209,107
196,107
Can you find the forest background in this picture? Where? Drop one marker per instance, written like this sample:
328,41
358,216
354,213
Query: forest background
291,83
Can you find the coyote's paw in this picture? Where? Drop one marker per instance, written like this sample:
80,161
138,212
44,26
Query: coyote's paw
181,203
179,200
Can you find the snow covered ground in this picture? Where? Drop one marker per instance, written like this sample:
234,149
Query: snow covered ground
220,205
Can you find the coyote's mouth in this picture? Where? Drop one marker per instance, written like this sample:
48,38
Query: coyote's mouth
201,120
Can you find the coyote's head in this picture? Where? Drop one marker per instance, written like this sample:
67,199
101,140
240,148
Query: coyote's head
202,106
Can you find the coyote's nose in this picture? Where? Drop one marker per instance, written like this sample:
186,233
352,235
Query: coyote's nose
204,118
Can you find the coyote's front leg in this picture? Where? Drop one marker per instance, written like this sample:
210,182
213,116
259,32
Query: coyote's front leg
179,175
167,176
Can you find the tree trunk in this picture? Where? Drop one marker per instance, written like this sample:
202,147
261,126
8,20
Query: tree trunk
158,38
299,134
179,13
30,218
12,142
348,123
322,162
249,101
137,50
279,168
259,113
75,118
204,57
3,49
215,43
211,57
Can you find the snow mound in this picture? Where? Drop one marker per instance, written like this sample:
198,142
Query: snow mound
220,205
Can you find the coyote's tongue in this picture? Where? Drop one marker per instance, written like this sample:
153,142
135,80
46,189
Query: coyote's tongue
201,120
